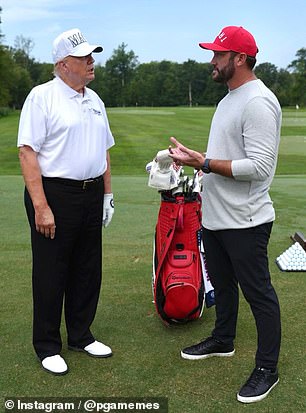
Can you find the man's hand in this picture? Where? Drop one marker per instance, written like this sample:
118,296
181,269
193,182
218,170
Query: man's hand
108,209
44,222
185,156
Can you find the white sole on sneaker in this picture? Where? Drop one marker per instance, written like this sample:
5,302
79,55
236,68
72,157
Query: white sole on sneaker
254,399
206,356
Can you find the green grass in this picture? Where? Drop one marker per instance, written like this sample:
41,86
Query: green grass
146,359
141,132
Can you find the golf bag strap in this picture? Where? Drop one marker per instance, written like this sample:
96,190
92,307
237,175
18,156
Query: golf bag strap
180,217
185,319
191,313
167,243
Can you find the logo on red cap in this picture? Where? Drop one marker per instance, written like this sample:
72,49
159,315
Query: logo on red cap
222,36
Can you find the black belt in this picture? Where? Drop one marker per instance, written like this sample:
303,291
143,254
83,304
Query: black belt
85,184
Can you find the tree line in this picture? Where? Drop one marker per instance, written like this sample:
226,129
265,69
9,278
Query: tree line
123,81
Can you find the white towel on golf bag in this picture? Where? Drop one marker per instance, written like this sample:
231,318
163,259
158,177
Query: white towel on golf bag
164,175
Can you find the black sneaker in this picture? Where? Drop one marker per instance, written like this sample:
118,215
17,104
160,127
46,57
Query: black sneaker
258,386
208,348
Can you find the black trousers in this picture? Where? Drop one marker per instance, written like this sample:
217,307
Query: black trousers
239,256
67,269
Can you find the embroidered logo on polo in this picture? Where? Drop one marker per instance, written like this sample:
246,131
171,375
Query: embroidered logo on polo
95,111
77,39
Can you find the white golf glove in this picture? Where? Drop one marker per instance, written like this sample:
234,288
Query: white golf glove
108,209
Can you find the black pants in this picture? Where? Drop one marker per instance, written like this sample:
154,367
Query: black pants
240,257
67,269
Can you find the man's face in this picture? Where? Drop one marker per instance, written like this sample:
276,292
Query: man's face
81,69
224,66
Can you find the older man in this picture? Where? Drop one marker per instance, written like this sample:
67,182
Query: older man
64,140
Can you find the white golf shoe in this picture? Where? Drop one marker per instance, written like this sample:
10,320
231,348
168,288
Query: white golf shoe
55,365
98,349
94,349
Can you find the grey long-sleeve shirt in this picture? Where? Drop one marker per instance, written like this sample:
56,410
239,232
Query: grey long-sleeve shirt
245,129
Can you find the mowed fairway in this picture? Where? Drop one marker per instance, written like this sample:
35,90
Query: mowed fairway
146,361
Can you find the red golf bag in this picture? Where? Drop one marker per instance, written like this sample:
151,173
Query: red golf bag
178,281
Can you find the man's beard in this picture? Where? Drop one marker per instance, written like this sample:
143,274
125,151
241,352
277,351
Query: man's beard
225,74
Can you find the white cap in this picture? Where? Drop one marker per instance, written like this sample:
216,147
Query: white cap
72,43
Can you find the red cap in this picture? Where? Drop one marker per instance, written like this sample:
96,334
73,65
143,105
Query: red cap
235,39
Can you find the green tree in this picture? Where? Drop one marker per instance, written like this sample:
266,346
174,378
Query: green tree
24,44
192,82
119,71
7,65
167,84
267,72
213,91
284,87
41,72
21,53
156,84
298,67
100,84
21,86
4,90
142,88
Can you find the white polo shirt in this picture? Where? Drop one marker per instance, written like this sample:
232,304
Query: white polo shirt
70,132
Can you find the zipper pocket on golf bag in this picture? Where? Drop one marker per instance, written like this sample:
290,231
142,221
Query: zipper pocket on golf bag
181,287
